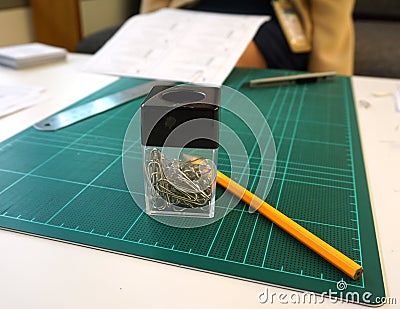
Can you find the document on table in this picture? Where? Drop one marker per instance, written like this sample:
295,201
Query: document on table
16,97
179,45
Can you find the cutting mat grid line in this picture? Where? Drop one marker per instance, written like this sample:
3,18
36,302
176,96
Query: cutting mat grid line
317,171
126,191
83,135
253,183
284,172
29,140
349,138
155,245
117,152
292,137
296,174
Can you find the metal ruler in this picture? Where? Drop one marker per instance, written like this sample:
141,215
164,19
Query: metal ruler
95,107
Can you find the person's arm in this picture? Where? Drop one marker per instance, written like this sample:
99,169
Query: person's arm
332,36
251,58
147,6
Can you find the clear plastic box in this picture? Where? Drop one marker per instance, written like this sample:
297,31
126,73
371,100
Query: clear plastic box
180,150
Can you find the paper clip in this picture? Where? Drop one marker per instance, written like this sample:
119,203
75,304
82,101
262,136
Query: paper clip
185,184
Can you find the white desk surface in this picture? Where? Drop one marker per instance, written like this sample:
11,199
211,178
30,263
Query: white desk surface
41,273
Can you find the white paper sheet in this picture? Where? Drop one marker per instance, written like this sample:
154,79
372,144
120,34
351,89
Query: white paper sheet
16,97
177,45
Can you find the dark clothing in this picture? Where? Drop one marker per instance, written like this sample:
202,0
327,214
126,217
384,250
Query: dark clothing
269,39
272,43
253,7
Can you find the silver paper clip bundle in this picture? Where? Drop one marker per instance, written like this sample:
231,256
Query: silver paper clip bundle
177,185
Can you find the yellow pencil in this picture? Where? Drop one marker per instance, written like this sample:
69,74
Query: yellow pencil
329,253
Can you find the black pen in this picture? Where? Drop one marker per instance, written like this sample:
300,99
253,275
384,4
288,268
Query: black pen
290,79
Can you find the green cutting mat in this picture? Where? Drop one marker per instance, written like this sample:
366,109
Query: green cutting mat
68,185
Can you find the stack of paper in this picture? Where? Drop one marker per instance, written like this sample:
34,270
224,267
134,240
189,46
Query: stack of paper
31,54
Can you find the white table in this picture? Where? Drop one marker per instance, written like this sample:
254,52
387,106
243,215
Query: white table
41,273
